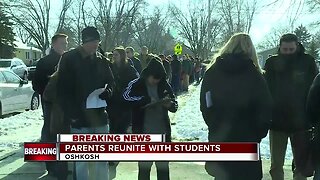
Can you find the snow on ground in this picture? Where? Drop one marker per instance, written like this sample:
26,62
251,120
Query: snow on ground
187,125
20,128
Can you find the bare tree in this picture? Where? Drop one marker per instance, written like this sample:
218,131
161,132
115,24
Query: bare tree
151,31
23,35
272,39
115,18
66,4
237,16
196,27
293,10
34,17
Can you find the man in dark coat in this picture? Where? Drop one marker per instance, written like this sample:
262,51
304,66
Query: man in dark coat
135,61
176,67
46,66
151,87
289,75
81,72
167,67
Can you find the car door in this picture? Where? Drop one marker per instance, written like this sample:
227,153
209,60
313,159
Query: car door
5,95
14,82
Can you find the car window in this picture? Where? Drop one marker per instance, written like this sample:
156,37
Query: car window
11,78
2,79
5,63
17,63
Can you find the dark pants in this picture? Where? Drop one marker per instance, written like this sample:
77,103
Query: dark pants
162,170
197,77
175,83
119,123
58,169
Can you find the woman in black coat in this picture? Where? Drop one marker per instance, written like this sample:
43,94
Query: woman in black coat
313,110
120,115
236,105
149,88
123,72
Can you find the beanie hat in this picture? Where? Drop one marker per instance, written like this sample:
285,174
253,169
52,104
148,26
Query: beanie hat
89,34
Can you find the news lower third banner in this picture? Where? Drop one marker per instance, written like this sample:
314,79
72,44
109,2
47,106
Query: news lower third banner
136,147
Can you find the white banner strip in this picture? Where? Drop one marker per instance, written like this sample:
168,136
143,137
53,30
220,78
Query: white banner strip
111,138
159,156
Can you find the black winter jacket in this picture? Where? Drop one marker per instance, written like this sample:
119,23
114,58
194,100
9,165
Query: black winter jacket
46,66
80,75
236,105
289,81
313,110
136,95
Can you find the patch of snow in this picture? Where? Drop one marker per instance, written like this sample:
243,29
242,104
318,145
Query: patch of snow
20,128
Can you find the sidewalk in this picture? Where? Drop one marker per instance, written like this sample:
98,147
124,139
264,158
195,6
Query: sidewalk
14,168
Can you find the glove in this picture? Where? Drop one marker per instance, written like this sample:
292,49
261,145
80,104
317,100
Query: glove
106,94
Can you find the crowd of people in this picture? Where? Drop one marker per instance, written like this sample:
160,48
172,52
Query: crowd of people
239,100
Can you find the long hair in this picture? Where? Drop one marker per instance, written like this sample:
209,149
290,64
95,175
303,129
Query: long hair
239,43
123,55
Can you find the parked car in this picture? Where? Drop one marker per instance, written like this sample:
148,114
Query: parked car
16,94
16,65
31,71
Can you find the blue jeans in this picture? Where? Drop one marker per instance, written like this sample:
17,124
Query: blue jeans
317,172
92,170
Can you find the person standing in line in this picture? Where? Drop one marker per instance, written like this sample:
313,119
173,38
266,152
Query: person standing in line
120,114
135,61
45,67
144,57
289,75
82,71
176,74
148,118
167,67
236,105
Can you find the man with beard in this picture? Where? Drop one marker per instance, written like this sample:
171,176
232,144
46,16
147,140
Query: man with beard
289,76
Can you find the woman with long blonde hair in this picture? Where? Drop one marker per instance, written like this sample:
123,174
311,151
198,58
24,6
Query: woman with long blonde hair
235,104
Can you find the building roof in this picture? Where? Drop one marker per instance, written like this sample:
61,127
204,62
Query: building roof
20,45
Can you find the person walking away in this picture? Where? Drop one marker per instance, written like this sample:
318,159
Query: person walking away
167,67
313,110
243,115
45,67
144,57
135,61
151,87
120,114
176,74
82,71
289,75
